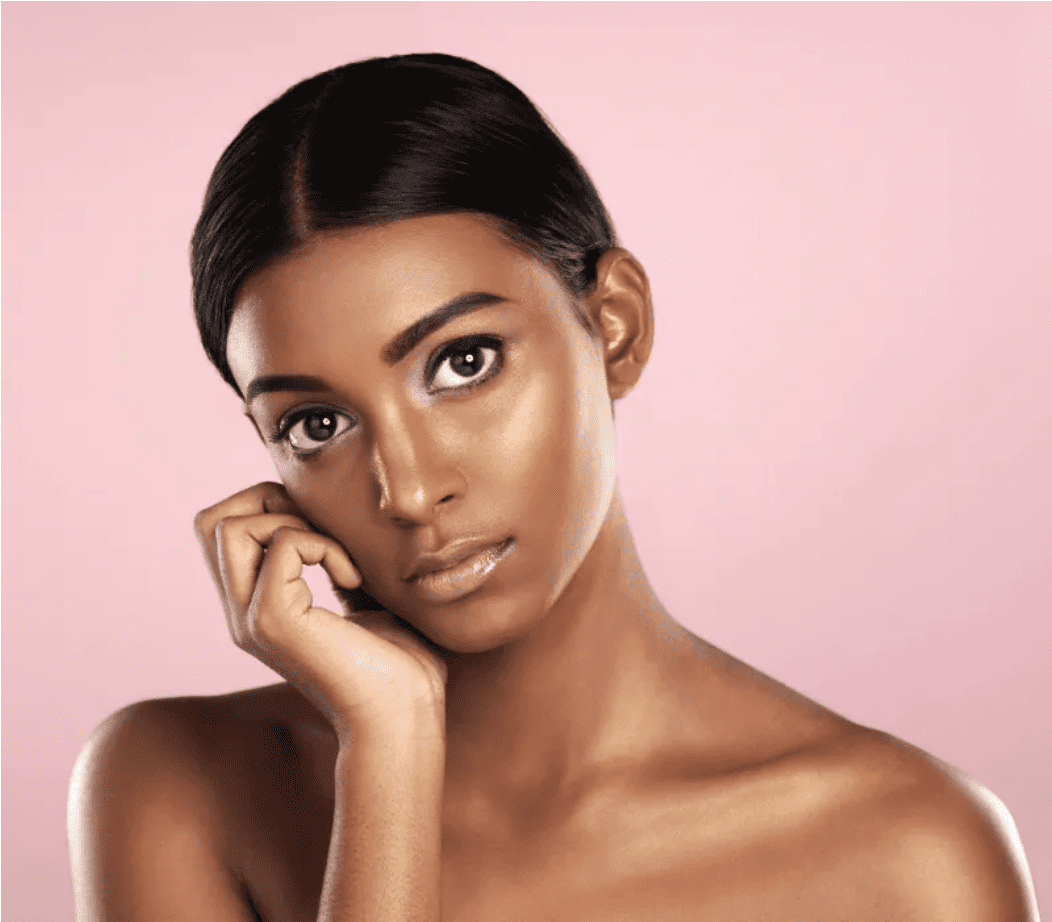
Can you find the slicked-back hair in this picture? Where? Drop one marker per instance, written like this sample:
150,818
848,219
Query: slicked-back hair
383,139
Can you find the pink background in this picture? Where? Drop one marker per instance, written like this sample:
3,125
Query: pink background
837,464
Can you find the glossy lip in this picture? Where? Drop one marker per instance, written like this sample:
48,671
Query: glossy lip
458,569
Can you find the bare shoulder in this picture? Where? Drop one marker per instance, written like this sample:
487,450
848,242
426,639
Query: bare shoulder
843,821
153,807
923,836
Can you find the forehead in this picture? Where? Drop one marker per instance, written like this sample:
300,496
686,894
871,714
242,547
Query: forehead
362,286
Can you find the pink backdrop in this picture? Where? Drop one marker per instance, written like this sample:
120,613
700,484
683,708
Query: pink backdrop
837,464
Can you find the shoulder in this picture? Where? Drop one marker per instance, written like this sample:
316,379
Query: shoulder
870,813
165,742
152,809
152,753
923,836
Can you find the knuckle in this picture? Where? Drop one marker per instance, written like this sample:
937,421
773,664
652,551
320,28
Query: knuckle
203,523
286,535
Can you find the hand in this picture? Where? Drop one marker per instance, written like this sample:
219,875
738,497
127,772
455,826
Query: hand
361,673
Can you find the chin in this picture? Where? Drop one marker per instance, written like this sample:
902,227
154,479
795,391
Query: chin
454,630
478,623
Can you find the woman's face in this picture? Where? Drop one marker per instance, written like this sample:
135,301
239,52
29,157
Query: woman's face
431,402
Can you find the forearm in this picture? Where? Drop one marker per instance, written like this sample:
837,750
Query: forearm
384,860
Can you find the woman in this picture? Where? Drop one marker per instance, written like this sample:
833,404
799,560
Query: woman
416,291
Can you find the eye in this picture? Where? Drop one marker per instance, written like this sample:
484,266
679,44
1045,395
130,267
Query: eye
465,363
309,430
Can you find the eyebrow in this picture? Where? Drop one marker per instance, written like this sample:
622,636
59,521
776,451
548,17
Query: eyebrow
267,384
406,341
396,350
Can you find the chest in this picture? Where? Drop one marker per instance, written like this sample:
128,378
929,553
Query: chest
489,882
630,867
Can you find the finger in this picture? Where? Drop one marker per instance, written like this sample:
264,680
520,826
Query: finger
257,500
280,592
262,498
240,545
309,549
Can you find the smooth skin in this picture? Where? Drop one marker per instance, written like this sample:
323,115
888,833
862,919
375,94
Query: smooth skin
537,740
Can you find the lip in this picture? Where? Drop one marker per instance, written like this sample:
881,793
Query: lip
458,569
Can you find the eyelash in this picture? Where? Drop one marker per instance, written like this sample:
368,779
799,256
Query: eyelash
462,345
287,423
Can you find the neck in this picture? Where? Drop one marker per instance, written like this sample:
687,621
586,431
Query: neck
544,710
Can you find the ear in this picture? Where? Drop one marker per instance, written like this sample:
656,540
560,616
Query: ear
621,310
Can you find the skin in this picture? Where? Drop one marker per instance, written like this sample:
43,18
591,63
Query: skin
549,745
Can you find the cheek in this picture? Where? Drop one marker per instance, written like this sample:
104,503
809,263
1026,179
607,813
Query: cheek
550,453
326,491
519,453
302,484
594,445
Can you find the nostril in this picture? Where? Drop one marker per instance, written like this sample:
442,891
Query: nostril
445,499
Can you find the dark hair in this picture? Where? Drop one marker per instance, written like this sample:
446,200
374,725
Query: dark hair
382,139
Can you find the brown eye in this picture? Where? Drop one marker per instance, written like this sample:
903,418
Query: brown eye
319,426
311,429
465,363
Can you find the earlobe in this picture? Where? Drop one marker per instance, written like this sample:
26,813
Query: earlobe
624,316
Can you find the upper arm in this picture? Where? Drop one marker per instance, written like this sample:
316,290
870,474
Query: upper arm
957,857
146,836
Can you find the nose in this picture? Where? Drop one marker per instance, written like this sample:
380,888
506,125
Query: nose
414,473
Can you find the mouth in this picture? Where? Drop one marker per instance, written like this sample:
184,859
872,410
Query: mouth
457,571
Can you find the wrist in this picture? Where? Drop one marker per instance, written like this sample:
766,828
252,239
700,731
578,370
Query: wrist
413,725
